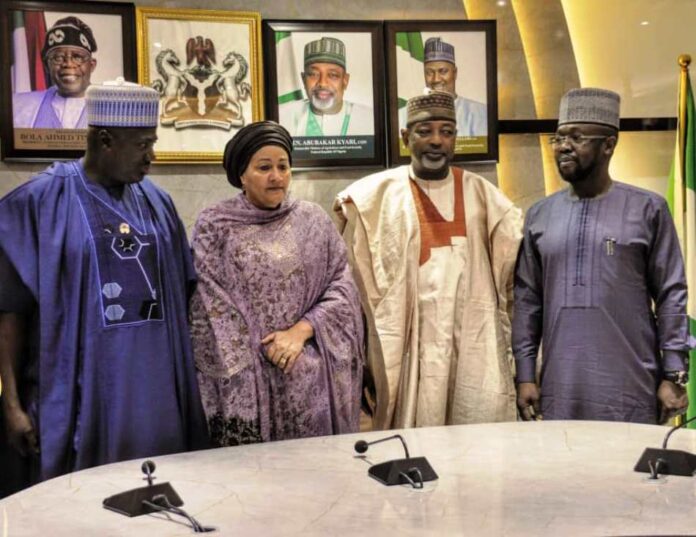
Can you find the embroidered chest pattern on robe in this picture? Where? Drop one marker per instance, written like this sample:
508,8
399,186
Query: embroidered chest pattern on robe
435,231
127,258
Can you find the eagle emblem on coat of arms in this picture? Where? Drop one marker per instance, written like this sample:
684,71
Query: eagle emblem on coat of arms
203,93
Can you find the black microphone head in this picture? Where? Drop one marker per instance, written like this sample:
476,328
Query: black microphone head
361,446
148,467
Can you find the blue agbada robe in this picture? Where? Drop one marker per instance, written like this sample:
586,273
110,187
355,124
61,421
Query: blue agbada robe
588,274
116,374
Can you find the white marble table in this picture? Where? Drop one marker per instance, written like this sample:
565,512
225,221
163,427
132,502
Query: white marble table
552,478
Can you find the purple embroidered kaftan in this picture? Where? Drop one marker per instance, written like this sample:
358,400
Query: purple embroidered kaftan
261,271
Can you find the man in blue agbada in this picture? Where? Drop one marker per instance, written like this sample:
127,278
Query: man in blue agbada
96,255
600,282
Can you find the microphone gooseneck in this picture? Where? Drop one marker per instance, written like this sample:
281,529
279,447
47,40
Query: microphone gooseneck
361,445
669,433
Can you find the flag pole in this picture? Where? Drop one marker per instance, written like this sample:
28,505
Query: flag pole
684,61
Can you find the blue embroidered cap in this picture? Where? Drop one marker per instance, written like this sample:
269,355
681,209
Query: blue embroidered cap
121,104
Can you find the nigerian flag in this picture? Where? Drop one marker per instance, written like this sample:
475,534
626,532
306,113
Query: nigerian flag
409,65
289,79
681,196
21,80
28,33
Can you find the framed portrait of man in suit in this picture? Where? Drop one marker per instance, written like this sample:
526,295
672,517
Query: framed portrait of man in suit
458,57
324,84
52,51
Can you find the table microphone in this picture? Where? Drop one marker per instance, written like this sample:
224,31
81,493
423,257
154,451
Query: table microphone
406,471
132,502
151,499
667,461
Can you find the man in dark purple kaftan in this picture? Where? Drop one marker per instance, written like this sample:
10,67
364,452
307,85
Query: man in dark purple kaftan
108,269
594,260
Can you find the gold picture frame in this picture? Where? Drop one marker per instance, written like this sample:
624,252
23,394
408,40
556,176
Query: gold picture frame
207,66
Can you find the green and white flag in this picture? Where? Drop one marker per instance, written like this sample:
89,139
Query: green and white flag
409,65
681,196
289,79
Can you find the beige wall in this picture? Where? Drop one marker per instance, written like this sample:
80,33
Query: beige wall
631,47
544,48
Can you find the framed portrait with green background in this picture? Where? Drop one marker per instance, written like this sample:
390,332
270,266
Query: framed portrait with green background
458,57
325,85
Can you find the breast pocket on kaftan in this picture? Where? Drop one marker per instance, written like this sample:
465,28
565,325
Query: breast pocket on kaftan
623,263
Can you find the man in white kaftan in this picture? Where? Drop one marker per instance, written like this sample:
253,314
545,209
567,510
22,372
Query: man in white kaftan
433,249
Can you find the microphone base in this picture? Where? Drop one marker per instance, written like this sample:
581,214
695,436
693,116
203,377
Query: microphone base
130,503
666,462
390,473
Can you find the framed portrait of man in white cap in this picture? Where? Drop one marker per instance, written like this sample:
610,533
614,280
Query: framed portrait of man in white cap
324,84
457,57
52,52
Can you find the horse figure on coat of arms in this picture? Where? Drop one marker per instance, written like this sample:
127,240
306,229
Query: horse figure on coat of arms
231,83
173,83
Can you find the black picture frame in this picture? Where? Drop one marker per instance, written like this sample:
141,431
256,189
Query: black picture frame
358,143
115,55
477,57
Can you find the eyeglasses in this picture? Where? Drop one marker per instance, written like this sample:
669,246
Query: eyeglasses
574,139
60,58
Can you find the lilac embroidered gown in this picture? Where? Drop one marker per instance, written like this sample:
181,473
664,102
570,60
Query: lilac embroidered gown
261,271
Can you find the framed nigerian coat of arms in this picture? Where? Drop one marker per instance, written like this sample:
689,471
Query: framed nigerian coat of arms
206,66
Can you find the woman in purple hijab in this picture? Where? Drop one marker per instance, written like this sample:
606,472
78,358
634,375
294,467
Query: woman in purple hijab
276,322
